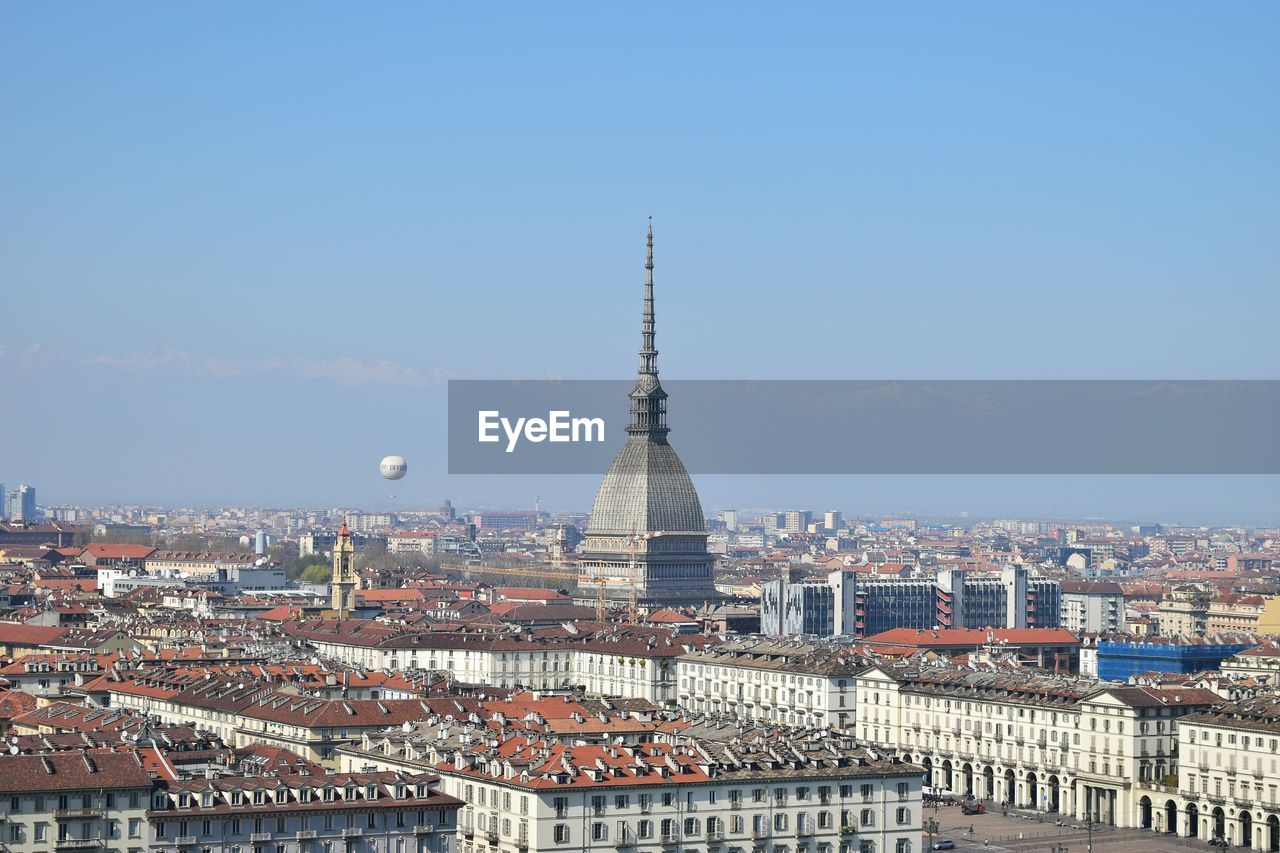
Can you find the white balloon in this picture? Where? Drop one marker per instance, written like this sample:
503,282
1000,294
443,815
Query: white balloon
393,467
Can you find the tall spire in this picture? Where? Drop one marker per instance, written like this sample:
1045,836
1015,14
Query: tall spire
648,400
648,352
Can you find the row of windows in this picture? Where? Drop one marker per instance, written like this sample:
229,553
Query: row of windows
758,795
329,821
756,675
1231,739
107,800
65,832
692,827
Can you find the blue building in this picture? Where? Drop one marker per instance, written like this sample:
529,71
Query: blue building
1119,660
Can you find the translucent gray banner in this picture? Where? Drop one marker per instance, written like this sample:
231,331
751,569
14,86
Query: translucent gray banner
877,426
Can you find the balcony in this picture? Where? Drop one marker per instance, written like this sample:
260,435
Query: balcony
77,814
522,841
804,831
670,839
491,835
78,844
468,830
306,834
352,832
260,836
760,832
423,829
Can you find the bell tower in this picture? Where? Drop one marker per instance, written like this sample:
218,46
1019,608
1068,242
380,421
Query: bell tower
343,584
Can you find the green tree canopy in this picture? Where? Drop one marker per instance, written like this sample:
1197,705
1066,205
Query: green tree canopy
317,573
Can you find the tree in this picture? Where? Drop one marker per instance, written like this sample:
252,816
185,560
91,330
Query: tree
316,573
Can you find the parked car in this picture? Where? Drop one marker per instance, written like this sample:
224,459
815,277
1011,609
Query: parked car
973,807
944,844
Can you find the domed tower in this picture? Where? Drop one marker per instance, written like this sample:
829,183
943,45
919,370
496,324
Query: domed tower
646,531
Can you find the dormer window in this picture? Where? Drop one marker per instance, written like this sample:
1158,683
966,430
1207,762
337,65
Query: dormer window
184,800
237,797
401,792
304,795
327,796
257,798
206,799
371,792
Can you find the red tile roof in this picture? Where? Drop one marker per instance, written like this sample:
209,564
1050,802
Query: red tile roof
69,772
974,637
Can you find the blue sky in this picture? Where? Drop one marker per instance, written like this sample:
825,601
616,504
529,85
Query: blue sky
243,245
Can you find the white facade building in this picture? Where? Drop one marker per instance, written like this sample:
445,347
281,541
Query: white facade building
792,683
1068,745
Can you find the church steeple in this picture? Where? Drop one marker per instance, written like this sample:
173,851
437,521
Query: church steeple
342,587
648,400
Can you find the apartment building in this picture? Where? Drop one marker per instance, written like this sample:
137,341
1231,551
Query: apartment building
1092,607
1261,661
1015,597
708,789
792,683
1075,746
1235,613
303,813
198,564
75,800
98,799
1227,785
243,712
615,660
1184,612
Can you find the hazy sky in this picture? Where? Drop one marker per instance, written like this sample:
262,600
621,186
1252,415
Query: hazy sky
243,245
